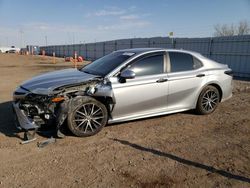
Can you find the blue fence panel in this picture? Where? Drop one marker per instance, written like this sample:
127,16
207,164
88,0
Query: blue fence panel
233,51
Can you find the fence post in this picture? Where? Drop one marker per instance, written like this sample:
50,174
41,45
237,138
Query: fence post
210,47
174,43
103,48
131,43
115,45
95,51
64,51
86,51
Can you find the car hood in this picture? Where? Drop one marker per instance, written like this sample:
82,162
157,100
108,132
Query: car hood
49,81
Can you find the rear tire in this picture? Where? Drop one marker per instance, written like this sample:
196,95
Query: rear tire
208,100
86,116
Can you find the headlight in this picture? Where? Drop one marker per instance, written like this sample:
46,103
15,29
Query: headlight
41,91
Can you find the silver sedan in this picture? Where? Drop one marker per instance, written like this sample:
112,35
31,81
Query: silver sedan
124,85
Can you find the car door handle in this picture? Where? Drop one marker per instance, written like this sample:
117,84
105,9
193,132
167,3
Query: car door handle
200,75
162,80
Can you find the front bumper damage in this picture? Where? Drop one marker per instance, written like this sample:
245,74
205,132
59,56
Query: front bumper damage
21,120
31,123
34,110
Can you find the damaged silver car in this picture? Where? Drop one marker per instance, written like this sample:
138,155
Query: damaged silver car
124,85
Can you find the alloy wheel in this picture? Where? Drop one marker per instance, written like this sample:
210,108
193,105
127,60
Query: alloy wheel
210,100
88,118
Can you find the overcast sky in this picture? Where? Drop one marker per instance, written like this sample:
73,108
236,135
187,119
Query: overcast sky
81,21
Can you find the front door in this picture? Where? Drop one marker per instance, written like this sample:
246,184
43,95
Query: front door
146,93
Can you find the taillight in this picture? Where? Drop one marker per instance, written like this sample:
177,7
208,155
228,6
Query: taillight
229,72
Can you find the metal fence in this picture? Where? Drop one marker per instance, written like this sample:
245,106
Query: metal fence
233,51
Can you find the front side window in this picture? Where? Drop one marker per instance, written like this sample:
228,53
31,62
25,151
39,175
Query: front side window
148,66
183,62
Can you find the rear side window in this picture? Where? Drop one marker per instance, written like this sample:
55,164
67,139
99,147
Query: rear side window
183,62
148,66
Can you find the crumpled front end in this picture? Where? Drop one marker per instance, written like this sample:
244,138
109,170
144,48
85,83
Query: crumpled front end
22,120
32,110
40,107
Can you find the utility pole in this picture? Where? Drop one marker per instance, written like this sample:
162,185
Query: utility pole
21,38
7,41
69,38
46,40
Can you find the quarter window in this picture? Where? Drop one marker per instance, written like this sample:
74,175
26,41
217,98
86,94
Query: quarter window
183,62
148,66
197,63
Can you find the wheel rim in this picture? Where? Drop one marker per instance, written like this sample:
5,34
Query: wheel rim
210,100
88,118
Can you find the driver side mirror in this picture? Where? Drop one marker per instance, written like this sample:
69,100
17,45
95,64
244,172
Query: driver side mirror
127,74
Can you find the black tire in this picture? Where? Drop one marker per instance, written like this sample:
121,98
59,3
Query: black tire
208,100
86,116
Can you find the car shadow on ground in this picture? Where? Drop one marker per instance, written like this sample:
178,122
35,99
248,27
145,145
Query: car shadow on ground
7,125
183,161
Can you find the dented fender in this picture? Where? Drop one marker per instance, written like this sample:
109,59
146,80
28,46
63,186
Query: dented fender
105,90
94,88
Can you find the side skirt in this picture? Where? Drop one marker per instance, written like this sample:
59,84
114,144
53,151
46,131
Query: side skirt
140,116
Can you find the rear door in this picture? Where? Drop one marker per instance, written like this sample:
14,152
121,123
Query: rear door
185,78
147,92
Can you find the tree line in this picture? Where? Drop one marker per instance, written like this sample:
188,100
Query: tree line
242,28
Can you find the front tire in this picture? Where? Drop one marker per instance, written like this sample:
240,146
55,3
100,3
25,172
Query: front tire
208,100
87,116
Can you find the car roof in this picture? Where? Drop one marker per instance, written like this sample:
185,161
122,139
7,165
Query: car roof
139,50
144,50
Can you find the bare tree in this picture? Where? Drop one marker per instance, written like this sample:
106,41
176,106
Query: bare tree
243,28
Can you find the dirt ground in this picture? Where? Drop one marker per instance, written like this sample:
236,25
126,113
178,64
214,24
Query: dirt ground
178,150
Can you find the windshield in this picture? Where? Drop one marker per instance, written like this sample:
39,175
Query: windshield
106,64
